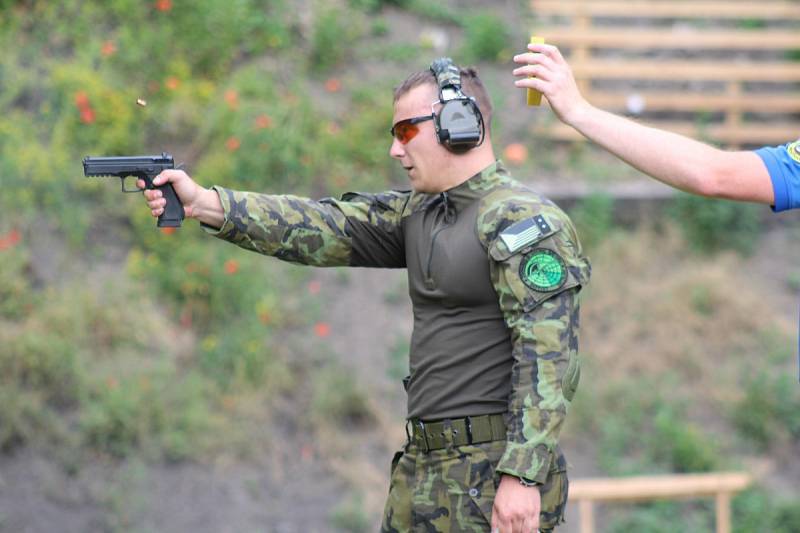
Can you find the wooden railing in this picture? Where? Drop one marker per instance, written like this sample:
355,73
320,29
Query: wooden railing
727,71
587,492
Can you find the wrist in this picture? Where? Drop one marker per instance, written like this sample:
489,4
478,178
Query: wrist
579,115
208,209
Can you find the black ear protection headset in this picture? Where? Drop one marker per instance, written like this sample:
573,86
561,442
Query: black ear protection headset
459,123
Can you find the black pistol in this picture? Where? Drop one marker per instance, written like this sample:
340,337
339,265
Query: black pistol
145,167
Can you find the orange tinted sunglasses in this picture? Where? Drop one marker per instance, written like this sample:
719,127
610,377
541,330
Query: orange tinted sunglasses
407,129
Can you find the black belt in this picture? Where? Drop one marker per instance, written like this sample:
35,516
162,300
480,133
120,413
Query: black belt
440,434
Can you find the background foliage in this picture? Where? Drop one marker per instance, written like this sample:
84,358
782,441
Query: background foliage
119,342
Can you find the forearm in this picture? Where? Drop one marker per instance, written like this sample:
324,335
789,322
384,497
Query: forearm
543,382
291,228
673,159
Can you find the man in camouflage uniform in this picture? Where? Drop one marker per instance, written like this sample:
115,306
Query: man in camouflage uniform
494,271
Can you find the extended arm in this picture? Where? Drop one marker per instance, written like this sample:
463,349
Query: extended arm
360,230
673,159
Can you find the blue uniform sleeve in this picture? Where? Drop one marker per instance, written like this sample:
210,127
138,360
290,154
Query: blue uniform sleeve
783,164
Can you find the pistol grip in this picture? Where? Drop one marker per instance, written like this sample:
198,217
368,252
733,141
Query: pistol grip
173,212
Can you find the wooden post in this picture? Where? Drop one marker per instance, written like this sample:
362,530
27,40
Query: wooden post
586,510
724,512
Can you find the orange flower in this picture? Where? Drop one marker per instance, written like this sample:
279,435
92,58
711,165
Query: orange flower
108,49
233,144
231,266
314,286
87,115
322,329
168,231
333,85
81,99
516,153
265,317
232,98
172,83
163,5
9,240
263,122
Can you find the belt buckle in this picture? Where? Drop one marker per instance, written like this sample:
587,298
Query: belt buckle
421,426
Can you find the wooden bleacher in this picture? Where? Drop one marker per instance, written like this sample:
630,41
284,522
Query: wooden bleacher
721,486
724,71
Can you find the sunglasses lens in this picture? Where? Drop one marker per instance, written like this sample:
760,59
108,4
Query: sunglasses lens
404,131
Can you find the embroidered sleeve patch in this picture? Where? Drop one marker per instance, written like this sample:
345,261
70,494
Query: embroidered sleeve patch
794,151
522,233
543,270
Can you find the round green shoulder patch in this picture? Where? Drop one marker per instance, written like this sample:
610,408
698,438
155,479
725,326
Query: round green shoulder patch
543,270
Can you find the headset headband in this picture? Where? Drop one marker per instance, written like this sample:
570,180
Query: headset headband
448,78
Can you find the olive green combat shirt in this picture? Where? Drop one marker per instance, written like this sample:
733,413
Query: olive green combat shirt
493,272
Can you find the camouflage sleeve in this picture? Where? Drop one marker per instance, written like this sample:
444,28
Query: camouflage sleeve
358,230
537,269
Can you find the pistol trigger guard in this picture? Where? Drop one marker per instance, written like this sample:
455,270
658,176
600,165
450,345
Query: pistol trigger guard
135,189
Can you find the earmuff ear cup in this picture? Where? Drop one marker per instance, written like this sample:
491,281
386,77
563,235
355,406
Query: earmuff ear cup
459,125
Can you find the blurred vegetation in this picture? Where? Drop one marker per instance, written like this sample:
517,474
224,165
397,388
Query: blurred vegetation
171,346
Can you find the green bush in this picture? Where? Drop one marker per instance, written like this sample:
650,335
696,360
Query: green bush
486,38
332,36
351,516
594,218
664,517
647,432
769,411
157,409
711,225
757,510
337,397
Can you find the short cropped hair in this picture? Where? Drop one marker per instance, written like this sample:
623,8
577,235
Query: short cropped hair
471,85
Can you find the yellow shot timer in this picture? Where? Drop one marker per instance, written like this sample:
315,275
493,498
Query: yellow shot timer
534,96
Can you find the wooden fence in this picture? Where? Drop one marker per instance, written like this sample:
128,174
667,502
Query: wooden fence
586,492
726,71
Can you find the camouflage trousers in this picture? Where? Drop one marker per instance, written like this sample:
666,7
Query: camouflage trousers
452,490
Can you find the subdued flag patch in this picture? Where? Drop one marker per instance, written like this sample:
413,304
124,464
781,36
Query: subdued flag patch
526,232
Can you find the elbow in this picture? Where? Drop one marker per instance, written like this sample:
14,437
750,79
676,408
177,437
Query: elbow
715,182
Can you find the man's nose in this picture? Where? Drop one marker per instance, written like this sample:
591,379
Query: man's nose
396,150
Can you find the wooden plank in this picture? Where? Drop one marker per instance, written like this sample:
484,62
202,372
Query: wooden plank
677,38
699,102
755,134
679,70
649,9
651,487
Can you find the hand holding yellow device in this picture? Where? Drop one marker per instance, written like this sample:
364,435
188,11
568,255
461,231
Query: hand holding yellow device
534,96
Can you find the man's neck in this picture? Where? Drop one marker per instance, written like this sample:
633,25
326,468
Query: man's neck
470,165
